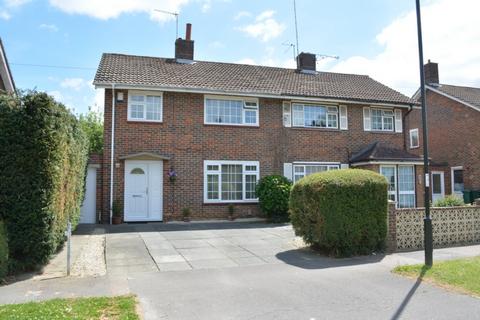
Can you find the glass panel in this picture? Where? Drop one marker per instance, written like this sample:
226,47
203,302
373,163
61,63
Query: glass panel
388,123
414,139
376,116
137,98
250,116
315,116
212,168
406,178
137,171
224,111
458,181
250,184
154,105
389,174
232,182
332,120
298,115
314,169
436,183
136,111
406,201
250,168
212,187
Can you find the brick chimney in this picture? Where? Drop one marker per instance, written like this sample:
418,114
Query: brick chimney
184,47
431,73
306,62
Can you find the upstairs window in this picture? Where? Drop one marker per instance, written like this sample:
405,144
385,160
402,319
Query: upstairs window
143,106
314,116
414,139
382,119
231,111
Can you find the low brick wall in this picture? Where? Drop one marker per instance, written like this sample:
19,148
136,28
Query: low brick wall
451,227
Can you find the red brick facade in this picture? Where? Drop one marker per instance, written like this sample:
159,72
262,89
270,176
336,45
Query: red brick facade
454,133
187,141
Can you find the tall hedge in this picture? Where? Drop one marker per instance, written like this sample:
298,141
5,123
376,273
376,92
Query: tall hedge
273,193
43,158
341,212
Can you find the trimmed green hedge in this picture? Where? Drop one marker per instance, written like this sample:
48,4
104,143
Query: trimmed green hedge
3,252
273,193
449,201
43,158
341,212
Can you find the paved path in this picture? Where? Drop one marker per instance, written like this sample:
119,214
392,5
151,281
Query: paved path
288,283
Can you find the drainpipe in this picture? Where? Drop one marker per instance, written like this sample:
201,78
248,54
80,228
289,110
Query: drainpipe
405,133
112,150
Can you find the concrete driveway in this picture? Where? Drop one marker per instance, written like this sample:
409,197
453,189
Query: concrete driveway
178,247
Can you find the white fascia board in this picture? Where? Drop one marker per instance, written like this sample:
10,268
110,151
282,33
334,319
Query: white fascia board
99,85
387,163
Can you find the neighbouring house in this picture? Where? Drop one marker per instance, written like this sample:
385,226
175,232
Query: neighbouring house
182,133
453,115
6,80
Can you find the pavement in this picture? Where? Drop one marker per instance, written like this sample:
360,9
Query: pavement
249,271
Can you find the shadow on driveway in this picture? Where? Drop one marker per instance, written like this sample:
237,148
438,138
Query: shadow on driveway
306,258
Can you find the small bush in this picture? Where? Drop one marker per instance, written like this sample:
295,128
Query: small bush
3,252
449,201
273,193
43,159
341,212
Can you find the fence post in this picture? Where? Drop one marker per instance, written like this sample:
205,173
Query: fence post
391,227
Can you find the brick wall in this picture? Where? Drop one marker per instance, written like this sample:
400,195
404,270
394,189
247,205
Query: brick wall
185,138
454,133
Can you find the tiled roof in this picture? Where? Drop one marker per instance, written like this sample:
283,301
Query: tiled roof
378,152
466,94
240,78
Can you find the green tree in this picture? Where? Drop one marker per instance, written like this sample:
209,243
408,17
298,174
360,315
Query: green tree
92,124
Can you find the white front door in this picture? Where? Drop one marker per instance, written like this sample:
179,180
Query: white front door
438,185
143,190
88,211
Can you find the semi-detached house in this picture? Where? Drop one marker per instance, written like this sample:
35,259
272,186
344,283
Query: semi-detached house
185,133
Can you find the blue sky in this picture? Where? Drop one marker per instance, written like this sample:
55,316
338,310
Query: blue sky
375,37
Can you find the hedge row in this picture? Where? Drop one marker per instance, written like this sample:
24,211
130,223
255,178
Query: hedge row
341,212
43,158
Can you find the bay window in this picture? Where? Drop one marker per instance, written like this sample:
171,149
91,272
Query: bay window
231,181
145,106
314,116
401,184
232,111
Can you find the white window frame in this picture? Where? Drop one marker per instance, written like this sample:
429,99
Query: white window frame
383,120
145,94
323,105
452,169
219,163
414,131
393,192
329,165
245,107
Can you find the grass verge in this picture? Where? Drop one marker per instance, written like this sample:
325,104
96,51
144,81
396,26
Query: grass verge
116,308
461,274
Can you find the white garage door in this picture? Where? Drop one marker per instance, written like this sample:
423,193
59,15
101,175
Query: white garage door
88,212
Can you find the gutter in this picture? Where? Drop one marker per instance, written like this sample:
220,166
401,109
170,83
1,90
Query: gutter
112,150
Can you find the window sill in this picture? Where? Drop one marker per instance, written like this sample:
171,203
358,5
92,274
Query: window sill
317,129
255,126
145,121
383,132
414,147
208,203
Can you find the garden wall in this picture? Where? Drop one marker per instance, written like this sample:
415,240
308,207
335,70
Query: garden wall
453,226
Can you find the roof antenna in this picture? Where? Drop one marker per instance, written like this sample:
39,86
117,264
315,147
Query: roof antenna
176,14
291,45
296,26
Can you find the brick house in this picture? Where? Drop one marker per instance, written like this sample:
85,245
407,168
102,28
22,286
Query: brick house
6,80
453,115
185,133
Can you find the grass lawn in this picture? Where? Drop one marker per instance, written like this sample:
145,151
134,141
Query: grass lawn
122,307
462,274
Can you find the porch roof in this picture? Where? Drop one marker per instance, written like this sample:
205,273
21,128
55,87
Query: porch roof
379,152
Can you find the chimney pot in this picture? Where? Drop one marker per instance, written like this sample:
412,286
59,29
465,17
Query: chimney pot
188,33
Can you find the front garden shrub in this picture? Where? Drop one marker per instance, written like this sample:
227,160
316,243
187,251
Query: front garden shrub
449,201
3,252
273,193
341,212
43,158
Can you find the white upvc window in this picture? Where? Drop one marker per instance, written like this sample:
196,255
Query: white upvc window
382,119
401,184
314,116
231,111
414,139
302,170
145,106
230,181
457,181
